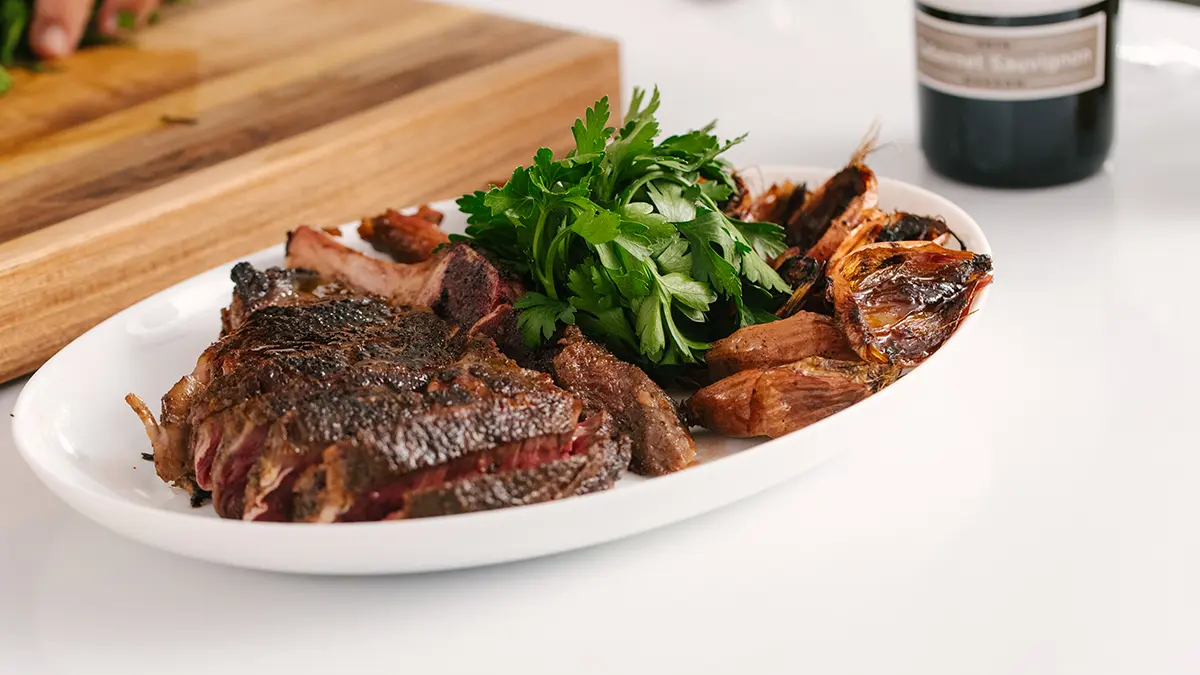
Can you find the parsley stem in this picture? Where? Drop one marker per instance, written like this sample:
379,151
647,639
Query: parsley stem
627,193
551,253
537,233
544,274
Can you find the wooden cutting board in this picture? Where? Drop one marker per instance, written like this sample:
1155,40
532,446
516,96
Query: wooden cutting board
294,111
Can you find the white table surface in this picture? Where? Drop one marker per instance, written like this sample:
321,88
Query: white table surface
1042,520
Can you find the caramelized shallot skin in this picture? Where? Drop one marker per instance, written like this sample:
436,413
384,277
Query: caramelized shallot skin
775,205
807,279
831,212
406,238
911,227
778,343
779,400
870,224
898,302
738,204
798,270
843,197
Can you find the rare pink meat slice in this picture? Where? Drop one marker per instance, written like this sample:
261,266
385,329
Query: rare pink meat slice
231,467
390,495
414,373
534,470
373,441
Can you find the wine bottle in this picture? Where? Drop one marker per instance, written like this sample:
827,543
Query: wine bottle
1016,93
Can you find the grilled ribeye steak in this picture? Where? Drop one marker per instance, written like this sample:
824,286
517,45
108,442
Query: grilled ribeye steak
457,282
332,405
641,409
254,289
465,288
599,456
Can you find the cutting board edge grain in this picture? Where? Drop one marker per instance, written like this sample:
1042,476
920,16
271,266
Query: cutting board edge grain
63,279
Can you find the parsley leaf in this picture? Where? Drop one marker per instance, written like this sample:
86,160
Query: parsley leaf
540,316
656,229
595,224
518,196
670,201
675,258
594,295
765,238
717,192
650,329
688,291
592,135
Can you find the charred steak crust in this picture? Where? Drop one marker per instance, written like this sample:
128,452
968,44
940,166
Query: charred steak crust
254,289
640,408
319,404
598,458
553,480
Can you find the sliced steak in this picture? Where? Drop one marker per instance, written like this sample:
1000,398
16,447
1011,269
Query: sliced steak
374,445
331,406
254,289
299,347
639,407
472,292
595,461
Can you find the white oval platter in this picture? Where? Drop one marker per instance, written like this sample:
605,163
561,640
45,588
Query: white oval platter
73,428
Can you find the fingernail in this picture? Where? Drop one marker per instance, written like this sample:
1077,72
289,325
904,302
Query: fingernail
54,41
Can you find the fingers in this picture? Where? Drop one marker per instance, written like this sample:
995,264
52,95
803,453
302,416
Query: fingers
112,10
57,26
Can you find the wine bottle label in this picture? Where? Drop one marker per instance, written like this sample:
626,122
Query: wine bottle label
1011,63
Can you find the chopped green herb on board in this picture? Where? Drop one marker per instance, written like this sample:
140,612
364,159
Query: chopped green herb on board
15,52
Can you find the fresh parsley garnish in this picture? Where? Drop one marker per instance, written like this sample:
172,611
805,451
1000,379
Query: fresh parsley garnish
625,237
14,20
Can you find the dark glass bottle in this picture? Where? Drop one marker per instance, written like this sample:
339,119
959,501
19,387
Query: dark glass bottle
1016,93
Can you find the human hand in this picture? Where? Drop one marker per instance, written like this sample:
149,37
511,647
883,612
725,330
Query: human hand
59,24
